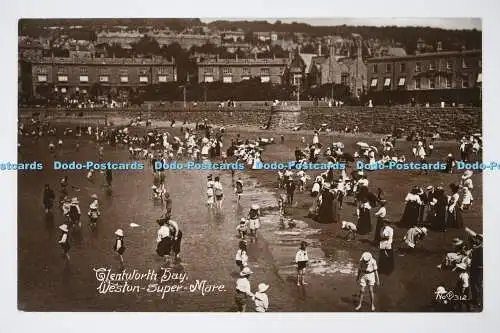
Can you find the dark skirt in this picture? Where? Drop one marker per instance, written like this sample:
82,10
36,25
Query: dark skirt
411,215
218,197
239,263
301,265
454,220
48,204
364,222
164,247
378,227
176,244
386,262
240,299
439,218
65,246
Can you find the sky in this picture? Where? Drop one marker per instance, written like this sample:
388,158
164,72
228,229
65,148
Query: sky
445,23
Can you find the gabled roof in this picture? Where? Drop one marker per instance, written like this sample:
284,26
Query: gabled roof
307,58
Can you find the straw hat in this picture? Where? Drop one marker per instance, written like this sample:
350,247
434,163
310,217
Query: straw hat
64,227
430,187
263,287
243,220
424,230
440,290
457,241
93,205
119,232
255,207
246,271
93,196
75,200
467,174
366,256
153,187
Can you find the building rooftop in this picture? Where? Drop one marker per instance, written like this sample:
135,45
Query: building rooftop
103,61
245,61
425,55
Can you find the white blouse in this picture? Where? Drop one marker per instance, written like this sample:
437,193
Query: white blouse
301,255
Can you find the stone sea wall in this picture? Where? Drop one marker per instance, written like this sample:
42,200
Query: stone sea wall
449,122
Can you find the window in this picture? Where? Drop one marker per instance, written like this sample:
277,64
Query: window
163,70
227,71
465,63
162,78
103,78
84,91
388,68
449,65
417,83
63,90
246,77
402,81
62,78
246,71
42,78
344,79
403,67
479,78
296,79
42,70
84,78
208,70
143,79
465,82
264,71
227,79
124,79
123,72
447,82
209,78
375,68
84,70
62,70
418,67
143,71
374,83
432,83
387,82
432,66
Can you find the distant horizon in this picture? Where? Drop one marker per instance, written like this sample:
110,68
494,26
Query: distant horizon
443,23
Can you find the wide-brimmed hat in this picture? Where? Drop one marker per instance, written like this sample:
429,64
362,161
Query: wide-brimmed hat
263,287
93,196
246,271
66,199
243,220
119,232
457,241
440,290
366,256
64,227
93,205
450,155
74,200
304,243
430,187
255,207
461,266
467,174
153,187
424,230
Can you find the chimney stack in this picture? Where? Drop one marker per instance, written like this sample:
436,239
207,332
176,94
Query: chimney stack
319,49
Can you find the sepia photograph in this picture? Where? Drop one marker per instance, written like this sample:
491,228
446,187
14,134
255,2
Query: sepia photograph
250,165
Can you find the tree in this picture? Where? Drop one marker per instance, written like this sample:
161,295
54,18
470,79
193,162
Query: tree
147,46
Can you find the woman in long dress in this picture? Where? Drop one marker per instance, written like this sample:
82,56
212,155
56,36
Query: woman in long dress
326,206
364,225
454,215
440,205
335,207
412,209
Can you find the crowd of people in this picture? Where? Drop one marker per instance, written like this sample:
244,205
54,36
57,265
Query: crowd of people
427,208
